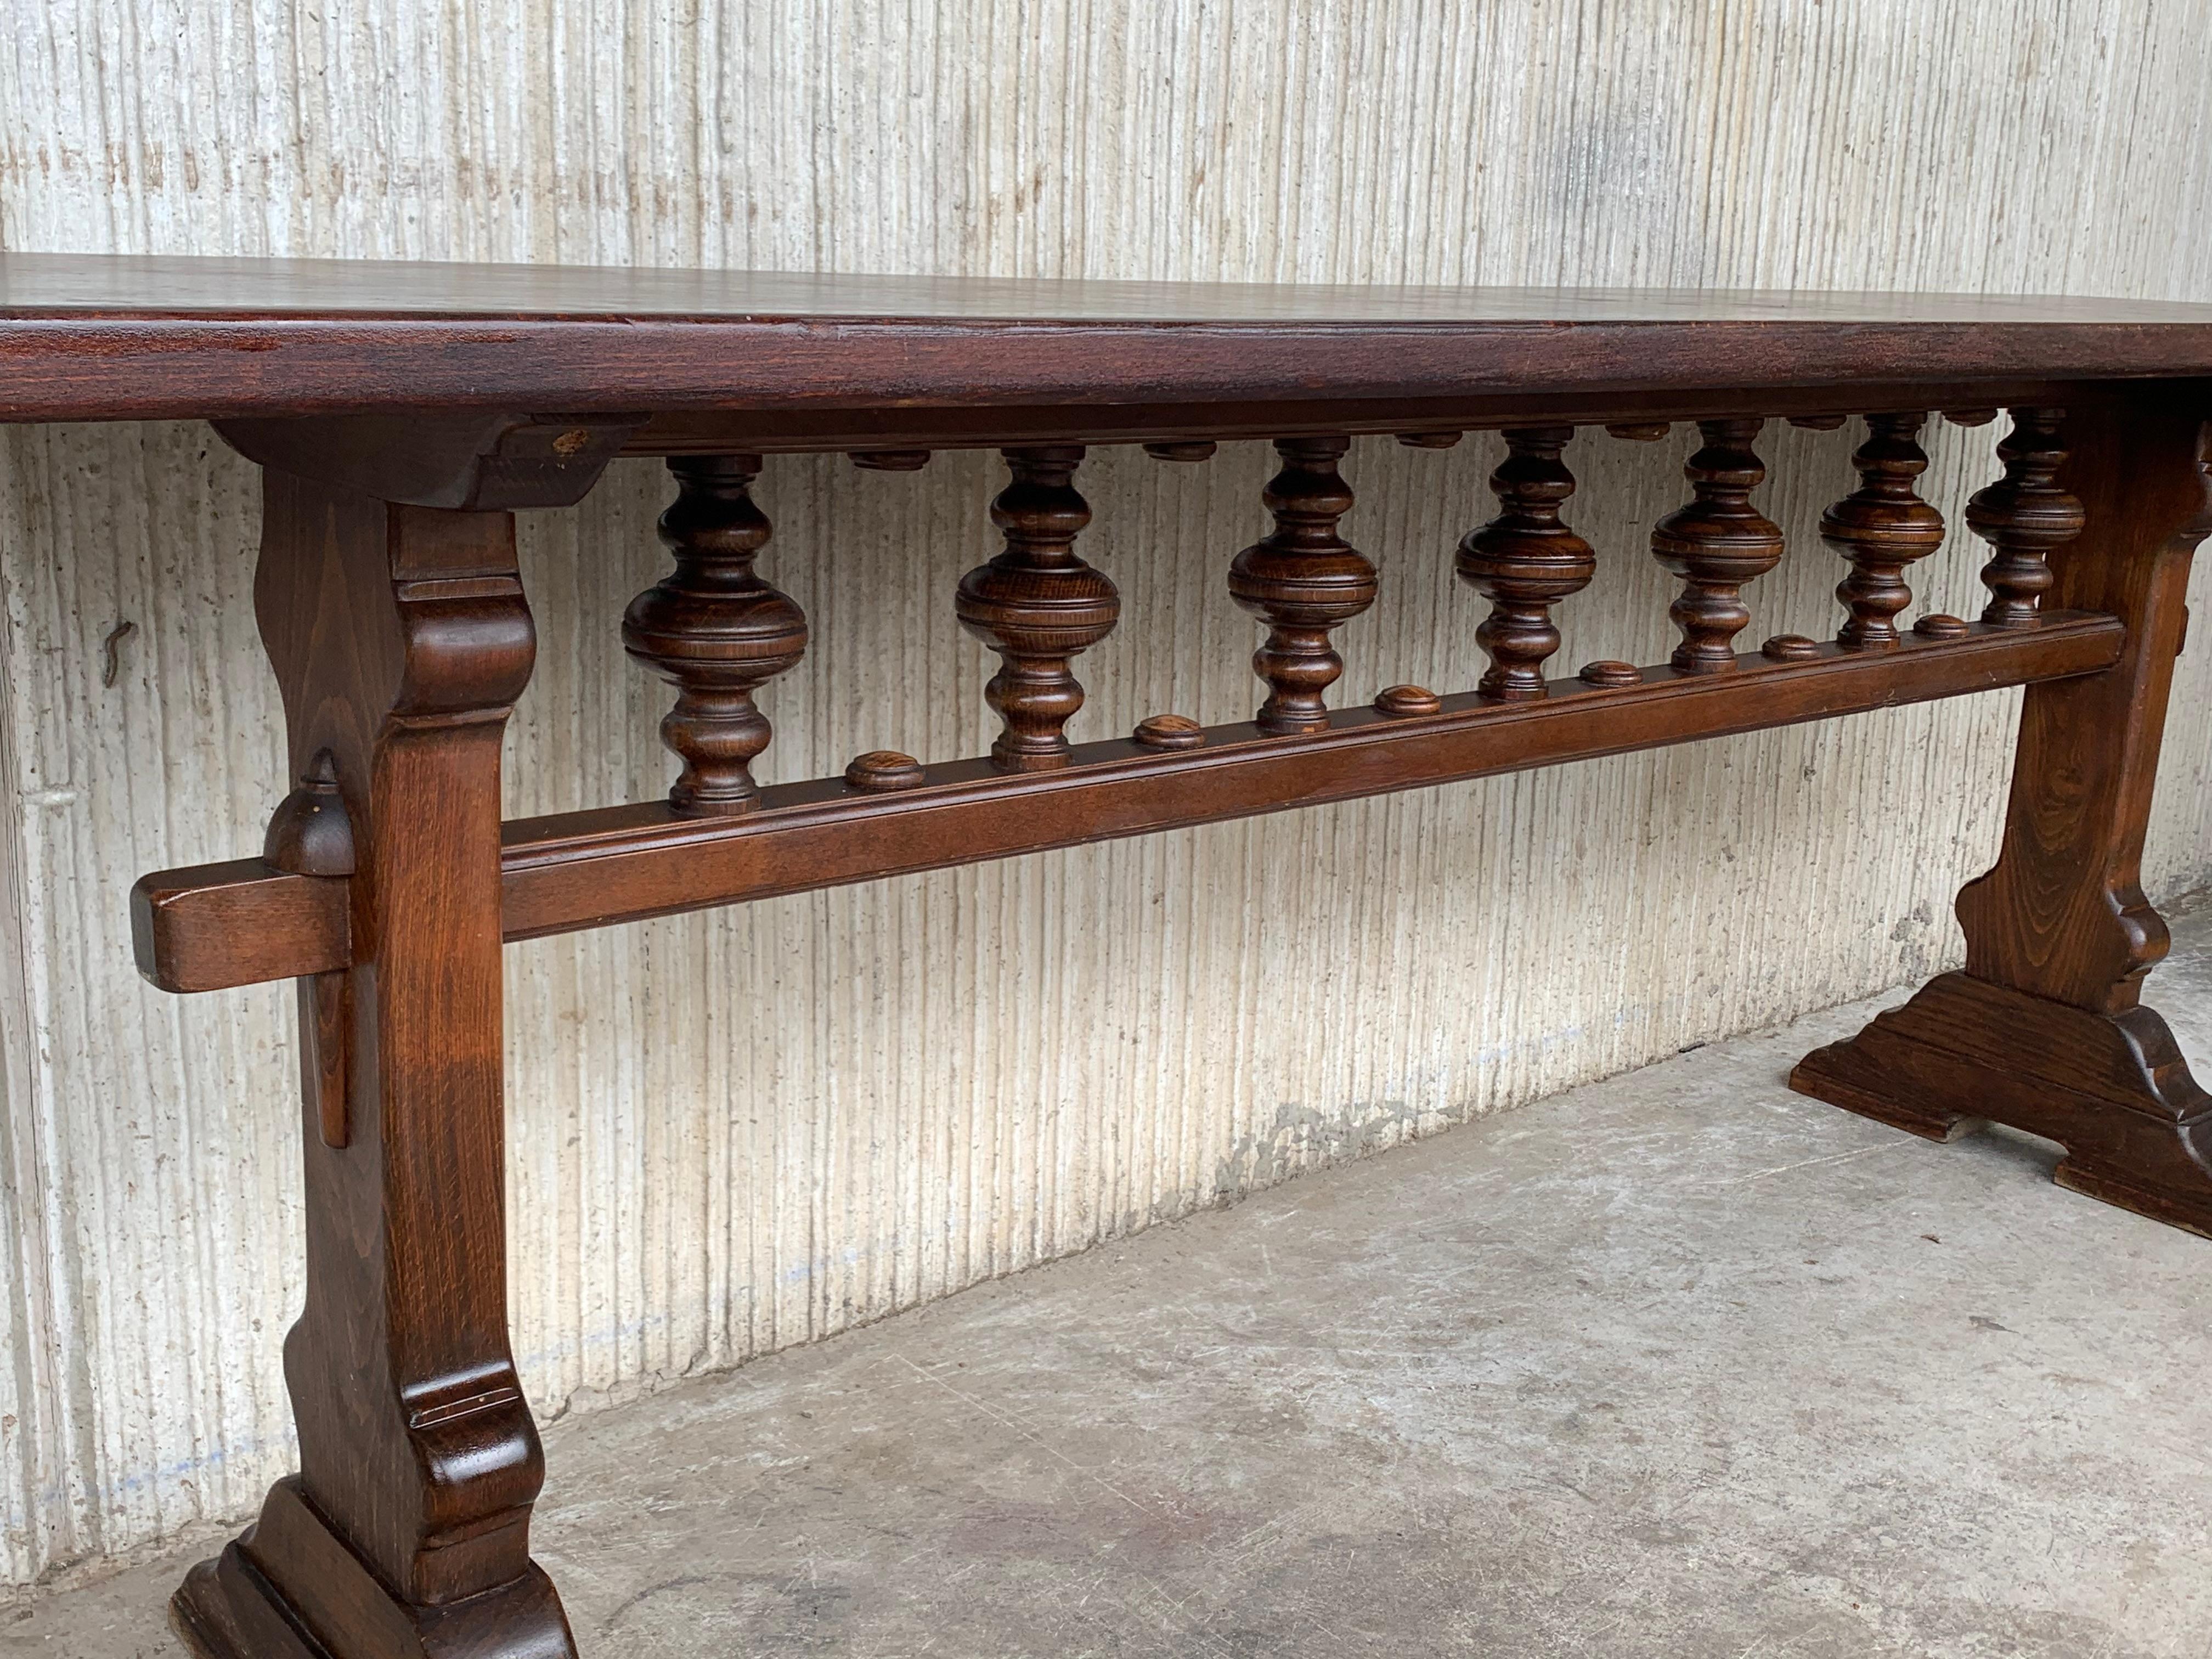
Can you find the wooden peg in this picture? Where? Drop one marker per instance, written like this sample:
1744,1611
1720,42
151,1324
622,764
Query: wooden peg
1302,581
1169,732
1716,544
1525,560
2024,516
1198,449
309,833
881,770
1639,432
715,631
1406,702
1819,422
1881,527
1428,440
890,460
1037,605
1610,672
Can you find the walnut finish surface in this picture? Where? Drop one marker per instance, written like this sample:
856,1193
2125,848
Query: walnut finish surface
403,414
109,337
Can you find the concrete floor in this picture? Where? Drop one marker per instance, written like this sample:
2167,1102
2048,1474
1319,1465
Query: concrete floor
1679,1364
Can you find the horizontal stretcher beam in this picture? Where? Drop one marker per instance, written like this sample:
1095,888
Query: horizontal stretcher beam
219,925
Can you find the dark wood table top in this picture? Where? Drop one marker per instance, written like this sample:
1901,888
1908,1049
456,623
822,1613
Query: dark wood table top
87,337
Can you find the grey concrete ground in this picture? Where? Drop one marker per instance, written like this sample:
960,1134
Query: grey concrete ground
1676,1365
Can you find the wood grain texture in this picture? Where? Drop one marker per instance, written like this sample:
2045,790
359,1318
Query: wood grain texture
646,1244
224,925
1038,606
1525,560
715,630
2046,1029
1202,423
210,925
1716,544
1303,580
2063,914
2023,516
1881,528
95,338
484,461
400,638
2114,1091
981,1110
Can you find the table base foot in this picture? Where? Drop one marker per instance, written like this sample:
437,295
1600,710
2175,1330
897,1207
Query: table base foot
2111,1089
329,1606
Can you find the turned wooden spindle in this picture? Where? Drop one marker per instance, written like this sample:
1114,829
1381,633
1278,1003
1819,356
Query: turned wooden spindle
1037,605
1525,560
1881,527
1715,544
1302,581
715,631
2023,516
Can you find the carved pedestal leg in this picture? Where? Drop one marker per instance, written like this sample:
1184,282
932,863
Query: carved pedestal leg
2043,1030
400,638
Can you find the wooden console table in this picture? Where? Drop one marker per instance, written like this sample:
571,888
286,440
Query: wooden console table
402,413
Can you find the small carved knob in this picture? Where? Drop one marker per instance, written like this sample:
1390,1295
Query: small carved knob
1610,672
1881,527
1169,732
715,631
1937,626
1303,580
890,460
1716,544
310,834
1037,605
1524,561
1428,440
1405,701
1790,648
884,770
1181,449
2023,516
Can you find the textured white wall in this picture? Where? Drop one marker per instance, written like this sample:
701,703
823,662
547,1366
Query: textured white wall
734,1133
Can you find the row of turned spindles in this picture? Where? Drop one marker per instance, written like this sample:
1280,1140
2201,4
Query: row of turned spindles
717,631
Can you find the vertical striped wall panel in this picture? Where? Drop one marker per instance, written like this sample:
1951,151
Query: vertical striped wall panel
739,1132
